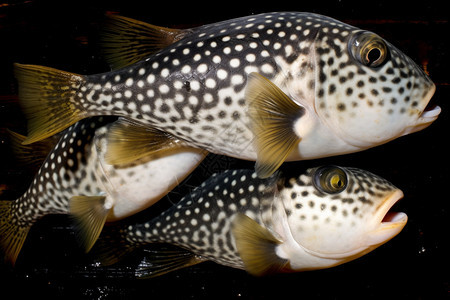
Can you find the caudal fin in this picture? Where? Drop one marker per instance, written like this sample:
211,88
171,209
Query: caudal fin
12,235
49,99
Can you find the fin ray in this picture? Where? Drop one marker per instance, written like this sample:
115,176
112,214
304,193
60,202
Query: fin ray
12,236
129,141
90,214
163,261
49,99
273,115
30,156
126,41
256,246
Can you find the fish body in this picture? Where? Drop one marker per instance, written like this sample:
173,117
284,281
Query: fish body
75,179
269,88
308,220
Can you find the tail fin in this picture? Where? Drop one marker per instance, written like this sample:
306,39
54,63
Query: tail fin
12,235
49,99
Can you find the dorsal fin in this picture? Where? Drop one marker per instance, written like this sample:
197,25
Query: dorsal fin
33,155
126,41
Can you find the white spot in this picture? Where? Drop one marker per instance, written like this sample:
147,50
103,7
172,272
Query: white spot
117,78
186,69
197,57
226,39
238,48
208,98
129,82
202,68
235,62
222,74
165,72
128,94
264,53
267,68
186,51
216,59
237,79
145,108
210,83
193,100
141,71
194,222
151,78
250,57
253,45
227,50
155,65
164,89
176,62
131,106
195,85
206,217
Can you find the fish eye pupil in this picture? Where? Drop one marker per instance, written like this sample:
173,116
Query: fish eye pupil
373,55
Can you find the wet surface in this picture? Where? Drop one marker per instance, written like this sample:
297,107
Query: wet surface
414,265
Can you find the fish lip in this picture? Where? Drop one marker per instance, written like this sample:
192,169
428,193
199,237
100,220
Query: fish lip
388,223
430,112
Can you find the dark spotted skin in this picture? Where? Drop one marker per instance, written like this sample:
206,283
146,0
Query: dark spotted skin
195,88
201,222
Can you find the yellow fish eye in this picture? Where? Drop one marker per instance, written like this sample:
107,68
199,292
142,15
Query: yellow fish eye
330,180
368,49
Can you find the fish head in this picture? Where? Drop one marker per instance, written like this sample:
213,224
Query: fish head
336,214
367,91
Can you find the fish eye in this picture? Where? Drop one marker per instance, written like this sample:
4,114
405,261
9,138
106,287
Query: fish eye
369,49
330,180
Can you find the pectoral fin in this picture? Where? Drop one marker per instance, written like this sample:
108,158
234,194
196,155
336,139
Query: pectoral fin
129,141
256,246
90,214
126,41
273,115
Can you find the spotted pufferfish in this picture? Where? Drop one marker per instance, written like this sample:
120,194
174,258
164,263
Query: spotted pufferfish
74,178
270,88
303,220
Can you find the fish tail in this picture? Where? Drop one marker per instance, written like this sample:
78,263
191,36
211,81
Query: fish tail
49,98
12,234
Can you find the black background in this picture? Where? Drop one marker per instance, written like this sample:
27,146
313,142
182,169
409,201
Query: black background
414,265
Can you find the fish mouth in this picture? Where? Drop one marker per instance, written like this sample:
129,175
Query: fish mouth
429,114
390,223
